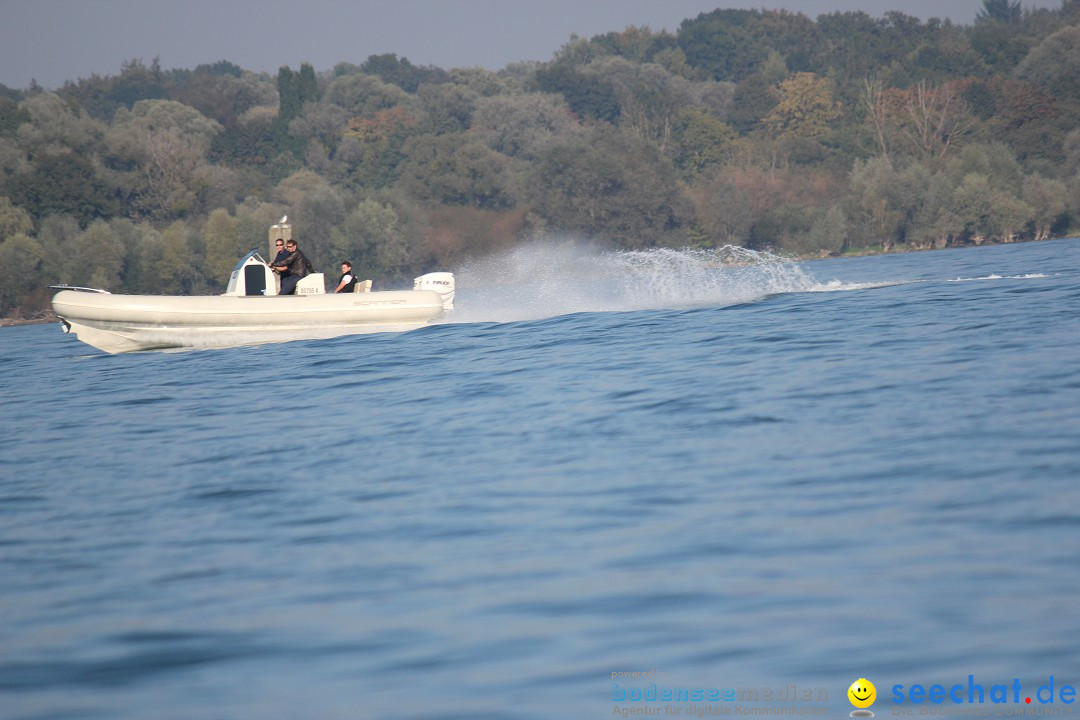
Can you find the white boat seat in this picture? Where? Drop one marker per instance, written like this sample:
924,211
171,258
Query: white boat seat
362,286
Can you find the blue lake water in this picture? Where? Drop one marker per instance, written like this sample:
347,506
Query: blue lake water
754,476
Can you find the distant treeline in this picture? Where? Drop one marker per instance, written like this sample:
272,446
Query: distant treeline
765,129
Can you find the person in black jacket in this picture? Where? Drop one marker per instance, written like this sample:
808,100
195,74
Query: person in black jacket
348,280
293,267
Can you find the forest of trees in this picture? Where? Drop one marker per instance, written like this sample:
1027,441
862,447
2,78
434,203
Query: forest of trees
764,129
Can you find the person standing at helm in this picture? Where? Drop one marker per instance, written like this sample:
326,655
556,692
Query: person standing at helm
282,253
348,279
293,267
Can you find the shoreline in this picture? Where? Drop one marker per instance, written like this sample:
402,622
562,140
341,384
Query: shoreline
42,318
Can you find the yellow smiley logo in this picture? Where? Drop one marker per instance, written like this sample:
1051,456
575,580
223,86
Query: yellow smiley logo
862,693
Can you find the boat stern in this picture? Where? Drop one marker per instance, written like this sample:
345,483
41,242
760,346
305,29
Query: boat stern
440,282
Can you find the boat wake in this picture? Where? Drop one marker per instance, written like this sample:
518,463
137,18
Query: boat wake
995,276
546,279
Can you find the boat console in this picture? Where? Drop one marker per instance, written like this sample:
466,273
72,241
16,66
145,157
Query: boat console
253,276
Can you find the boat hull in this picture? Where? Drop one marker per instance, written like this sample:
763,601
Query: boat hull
130,323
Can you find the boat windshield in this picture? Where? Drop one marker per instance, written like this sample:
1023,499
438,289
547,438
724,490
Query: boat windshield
252,253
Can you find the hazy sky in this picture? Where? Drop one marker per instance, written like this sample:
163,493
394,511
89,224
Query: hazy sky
57,40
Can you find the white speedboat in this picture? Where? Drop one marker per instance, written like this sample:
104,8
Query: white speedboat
250,312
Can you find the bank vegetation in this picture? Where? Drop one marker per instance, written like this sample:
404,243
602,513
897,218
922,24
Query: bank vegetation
764,129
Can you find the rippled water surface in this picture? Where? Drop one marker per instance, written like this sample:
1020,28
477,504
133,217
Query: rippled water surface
734,470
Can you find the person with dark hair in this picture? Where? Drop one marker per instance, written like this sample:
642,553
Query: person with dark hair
279,245
293,268
281,255
347,283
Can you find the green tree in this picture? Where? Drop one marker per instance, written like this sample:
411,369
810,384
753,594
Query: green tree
946,57
55,125
1048,200
224,246
633,43
20,270
306,84
316,208
1054,65
856,42
129,236
483,82
101,97
450,170
590,97
996,161
805,108
999,44
702,141
784,227
373,148
250,142
448,106
11,117
364,96
611,186
320,122
399,71
673,60
828,232
874,221
55,235
225,95
986,212
162,144
522,125
722,44
650,98
373,239
13,220
95,258
925,121
178,267
754,99
725,210
64,183
1029,119
295,89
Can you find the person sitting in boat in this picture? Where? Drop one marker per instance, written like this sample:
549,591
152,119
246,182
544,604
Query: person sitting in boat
347,284
294,267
